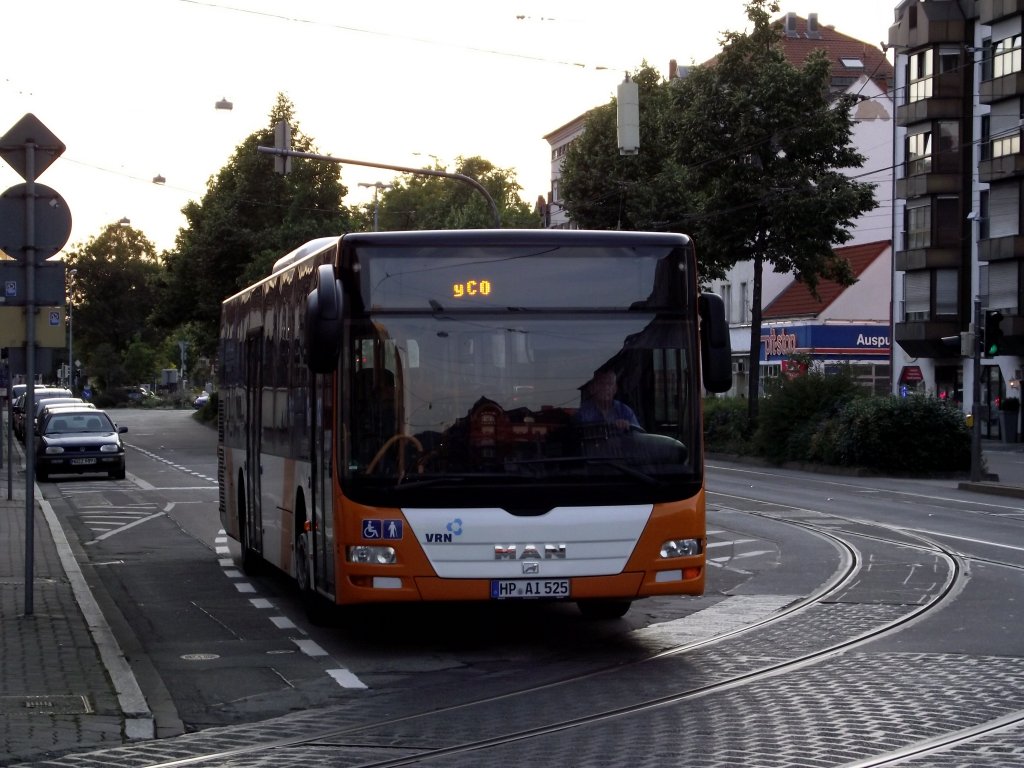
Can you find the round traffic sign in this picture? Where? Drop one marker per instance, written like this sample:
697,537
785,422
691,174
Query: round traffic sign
52,222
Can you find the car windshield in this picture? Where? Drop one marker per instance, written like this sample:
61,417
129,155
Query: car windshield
70,423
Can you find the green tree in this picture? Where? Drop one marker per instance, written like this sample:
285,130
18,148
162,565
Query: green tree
249,217
113,291
602,189
141,363
436,202
764,145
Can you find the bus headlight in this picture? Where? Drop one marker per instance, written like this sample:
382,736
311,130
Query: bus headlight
375,555
680,548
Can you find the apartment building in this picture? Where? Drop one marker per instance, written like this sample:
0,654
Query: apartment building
958,208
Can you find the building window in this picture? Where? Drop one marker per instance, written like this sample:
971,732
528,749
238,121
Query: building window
1003,279
920,77
726,290
1006,145
949,59
949,136
1006,57
916,295
744,315
947,218
918,226
947,283
919,153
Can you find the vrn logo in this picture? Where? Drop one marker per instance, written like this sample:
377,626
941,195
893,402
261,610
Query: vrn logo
453,529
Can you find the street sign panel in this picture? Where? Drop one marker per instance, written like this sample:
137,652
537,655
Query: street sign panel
52,219
50,330
49,283
30,130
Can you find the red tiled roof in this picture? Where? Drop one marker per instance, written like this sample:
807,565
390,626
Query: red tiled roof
839,47
796,300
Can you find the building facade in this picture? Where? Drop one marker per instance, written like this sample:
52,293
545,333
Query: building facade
958,207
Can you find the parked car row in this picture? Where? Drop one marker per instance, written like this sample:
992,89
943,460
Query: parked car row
72,436
41,395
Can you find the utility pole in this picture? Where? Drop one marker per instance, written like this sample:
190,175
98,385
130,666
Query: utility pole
976,399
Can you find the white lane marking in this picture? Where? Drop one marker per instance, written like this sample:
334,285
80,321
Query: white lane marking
955,537
340,675
714,544
309,647
123,528
346,679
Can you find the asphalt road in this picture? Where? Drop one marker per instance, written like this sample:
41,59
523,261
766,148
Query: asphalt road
213,647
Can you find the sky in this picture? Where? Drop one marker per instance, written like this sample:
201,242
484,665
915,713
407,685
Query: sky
130,86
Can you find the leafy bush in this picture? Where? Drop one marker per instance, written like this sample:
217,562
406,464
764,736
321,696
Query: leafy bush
796,409
726,425
917,434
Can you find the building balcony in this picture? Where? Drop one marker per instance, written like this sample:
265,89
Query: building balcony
1001,248
928,184
994,10
1001,168
930,257
936,23
923,338
945,103
999,88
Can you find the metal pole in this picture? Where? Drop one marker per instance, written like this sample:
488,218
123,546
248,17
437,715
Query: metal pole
30,366
71,337
976,398
400,168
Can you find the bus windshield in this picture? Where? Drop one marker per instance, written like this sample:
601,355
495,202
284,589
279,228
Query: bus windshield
447,401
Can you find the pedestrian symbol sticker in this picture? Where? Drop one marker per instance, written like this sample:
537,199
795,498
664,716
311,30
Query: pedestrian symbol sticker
390,530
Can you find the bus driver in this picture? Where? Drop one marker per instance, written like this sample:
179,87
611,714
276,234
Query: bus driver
602,407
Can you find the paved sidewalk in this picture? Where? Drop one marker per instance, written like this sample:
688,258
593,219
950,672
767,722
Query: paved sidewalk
64,683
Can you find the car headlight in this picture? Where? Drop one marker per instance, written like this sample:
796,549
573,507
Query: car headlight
54,449
110,448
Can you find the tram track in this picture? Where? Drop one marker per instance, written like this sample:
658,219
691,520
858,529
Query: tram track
354,743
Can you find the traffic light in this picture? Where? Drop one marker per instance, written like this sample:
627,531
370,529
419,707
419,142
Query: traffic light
993,333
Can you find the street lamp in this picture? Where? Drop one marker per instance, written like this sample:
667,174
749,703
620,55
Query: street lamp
435,158
377,187
71,332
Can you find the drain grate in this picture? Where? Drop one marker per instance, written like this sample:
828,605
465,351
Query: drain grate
45,705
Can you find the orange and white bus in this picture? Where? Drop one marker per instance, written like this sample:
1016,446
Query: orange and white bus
473,415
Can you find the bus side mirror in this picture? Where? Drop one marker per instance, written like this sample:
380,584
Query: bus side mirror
715,349
323,322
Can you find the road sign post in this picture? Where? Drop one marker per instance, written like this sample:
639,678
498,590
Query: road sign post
30,147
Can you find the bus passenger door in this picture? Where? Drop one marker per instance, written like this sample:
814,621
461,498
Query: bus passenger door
323,496
253,534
